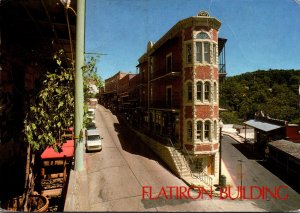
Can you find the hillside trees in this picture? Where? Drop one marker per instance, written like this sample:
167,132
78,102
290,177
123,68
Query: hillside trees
276,92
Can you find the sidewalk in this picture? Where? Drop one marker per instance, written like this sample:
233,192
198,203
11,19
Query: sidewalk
77,197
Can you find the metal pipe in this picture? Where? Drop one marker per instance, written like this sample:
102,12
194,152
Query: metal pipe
79,63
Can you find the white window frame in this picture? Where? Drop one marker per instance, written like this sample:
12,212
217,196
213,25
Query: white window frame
203,48
207,130
207,92
201,91
199,131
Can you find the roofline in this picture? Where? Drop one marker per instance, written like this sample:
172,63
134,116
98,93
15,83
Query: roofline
203,21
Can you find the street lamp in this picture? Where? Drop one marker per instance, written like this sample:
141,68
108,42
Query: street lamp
220,155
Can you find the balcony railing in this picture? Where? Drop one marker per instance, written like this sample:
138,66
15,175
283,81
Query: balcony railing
162,71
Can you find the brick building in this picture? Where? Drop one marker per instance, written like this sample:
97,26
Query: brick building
109,97
176,93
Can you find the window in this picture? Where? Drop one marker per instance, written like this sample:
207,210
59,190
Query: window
207,52
203,52
203,49
169,63
189,131
207,91
189,53
189,92
199,52
207,130
199,91
202,35
199,130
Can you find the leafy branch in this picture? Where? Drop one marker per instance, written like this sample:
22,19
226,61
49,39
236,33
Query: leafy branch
52,109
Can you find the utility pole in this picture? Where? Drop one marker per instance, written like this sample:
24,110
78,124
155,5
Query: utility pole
79,63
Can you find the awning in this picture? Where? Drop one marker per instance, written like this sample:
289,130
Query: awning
264,126
67,151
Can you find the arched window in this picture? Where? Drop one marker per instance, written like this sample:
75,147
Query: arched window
207,130
203,48
199,91
189,92
202,35
207,91
189,131
199,130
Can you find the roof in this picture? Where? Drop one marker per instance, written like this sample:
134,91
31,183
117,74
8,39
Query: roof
291,148
42,24
264,126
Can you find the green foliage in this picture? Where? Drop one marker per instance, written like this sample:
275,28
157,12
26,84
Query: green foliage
273,91
230,117
90,76
52,109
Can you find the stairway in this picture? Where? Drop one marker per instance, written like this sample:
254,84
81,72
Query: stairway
181,163
185,172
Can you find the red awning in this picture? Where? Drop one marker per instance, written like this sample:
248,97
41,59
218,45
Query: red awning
67,151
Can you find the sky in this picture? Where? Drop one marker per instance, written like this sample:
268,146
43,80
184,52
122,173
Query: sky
261,34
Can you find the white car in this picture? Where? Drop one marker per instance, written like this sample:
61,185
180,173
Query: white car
93,140
91,114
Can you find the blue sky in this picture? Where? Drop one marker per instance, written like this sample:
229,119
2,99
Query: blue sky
262,34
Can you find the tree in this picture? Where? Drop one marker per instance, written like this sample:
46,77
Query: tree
276,92
52,110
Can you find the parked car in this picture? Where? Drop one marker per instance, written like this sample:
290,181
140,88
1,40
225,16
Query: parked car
91,125
93,140
91,114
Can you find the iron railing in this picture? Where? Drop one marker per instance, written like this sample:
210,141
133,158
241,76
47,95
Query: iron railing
174,153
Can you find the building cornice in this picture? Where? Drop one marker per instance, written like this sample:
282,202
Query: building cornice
202,21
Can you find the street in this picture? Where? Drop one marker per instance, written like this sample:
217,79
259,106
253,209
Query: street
117,175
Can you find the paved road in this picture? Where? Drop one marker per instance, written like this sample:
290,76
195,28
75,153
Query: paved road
248,172
117,174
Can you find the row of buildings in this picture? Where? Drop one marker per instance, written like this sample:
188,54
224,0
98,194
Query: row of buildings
175,93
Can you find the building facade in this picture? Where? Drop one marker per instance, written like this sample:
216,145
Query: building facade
175,96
